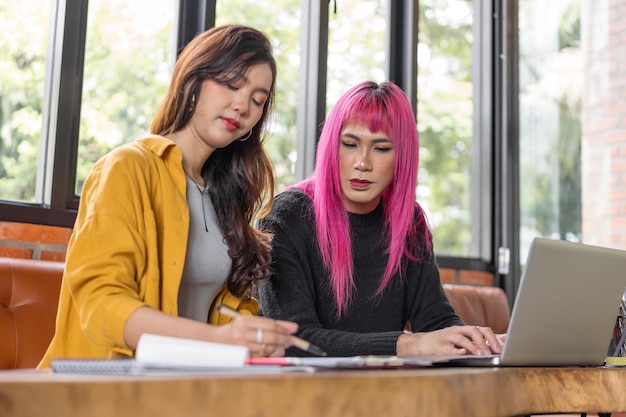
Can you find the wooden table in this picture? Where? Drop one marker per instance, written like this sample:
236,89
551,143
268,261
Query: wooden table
438,392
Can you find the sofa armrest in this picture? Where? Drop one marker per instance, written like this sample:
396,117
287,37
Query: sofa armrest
29,294
480,305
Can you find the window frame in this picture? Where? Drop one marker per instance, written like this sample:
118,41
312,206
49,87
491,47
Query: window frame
494,124
62,106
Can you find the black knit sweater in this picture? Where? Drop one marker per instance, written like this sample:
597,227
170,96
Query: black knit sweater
299,289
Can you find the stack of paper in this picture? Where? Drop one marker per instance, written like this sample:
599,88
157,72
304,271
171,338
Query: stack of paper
165,355
155,351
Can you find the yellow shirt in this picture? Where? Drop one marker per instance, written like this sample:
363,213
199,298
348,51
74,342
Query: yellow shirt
127,250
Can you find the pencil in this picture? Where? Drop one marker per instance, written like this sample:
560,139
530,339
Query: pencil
297,342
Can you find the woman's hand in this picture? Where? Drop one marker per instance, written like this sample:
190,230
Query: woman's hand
263,336
454,340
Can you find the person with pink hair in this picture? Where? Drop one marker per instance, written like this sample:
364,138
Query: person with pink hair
352,256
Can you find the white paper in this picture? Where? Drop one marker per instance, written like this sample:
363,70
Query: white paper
166,351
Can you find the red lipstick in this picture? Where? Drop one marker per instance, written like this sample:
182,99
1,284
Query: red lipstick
231,124
359,184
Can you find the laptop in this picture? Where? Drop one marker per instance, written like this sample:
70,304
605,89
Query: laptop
565,309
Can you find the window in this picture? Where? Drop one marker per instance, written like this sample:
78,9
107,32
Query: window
445,114
357,30
280,21
85,77
572,135
117,68
23,57
129,57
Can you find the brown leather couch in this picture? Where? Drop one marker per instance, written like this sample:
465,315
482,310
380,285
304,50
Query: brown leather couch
480,305
29,294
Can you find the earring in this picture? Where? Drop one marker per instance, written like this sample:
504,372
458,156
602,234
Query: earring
193,103
245,138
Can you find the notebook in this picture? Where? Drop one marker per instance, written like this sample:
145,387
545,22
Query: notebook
156,354
565,309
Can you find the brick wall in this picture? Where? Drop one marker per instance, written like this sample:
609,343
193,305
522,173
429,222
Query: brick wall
33,241
457,276
604,130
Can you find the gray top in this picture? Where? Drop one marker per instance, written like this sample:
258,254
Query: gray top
207,263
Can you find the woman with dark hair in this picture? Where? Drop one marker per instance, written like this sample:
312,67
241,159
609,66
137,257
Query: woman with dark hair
352,254
164,228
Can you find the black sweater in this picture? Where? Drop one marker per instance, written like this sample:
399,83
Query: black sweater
299,289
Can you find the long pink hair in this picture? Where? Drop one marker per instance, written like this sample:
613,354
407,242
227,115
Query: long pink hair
382,107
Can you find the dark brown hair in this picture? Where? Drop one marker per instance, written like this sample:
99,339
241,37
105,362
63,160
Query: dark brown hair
241,175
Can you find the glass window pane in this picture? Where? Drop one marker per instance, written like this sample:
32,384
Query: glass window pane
572,129
23,44
445,121
280,21
356,45
129,56
557,93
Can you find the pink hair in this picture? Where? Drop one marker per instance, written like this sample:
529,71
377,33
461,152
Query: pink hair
384,108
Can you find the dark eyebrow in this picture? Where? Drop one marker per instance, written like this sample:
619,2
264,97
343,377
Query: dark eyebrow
238,77
383,139
259,89
263,90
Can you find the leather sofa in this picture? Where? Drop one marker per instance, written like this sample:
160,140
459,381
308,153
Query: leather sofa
29,294
480,305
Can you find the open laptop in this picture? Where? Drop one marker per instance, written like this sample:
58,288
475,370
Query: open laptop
565,308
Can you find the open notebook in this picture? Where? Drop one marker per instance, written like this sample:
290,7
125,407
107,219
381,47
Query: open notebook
167,355
565,308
